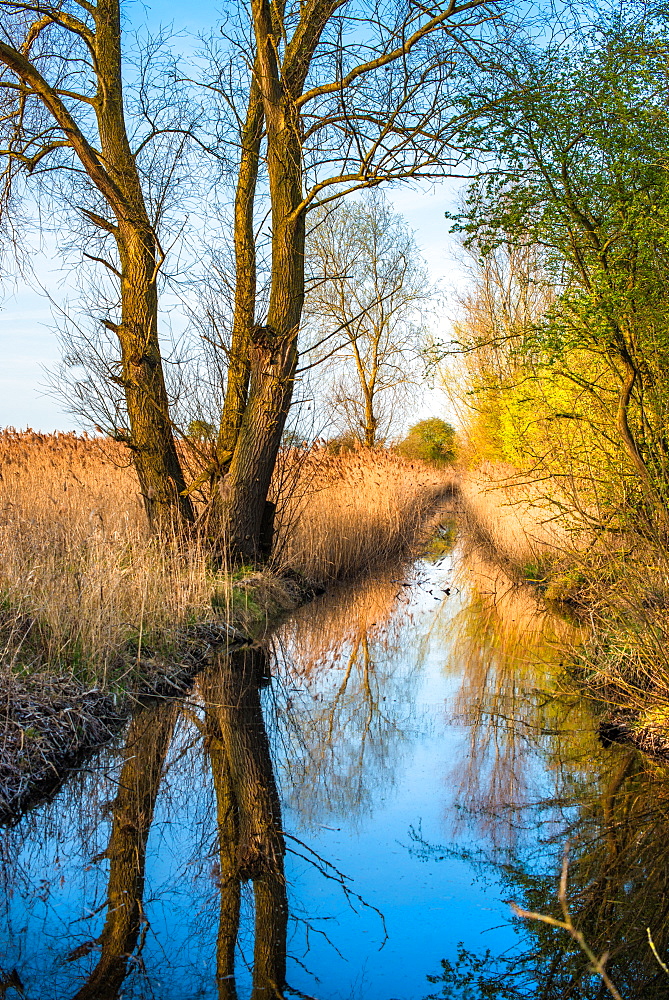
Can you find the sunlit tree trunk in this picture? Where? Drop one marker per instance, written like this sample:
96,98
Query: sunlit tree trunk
151,438
239,365
273,346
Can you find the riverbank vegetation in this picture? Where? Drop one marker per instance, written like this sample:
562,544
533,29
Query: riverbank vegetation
82,577
97,610
562,344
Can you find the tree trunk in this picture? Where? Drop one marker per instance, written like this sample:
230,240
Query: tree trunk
273,348
650,489
151,438
370,422
239,366
243,492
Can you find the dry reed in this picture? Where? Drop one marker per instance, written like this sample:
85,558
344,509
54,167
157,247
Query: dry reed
80,576
516,518
355,510
81,579
616,582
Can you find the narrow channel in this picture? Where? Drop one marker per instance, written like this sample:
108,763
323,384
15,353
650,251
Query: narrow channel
349,810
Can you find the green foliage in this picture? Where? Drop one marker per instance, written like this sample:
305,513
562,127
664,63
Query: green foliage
577,172
201,430
431,440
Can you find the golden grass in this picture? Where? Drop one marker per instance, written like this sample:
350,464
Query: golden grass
617,583
354,510
81,578
515,517
80,575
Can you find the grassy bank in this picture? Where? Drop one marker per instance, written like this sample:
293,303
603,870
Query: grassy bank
94,611
615,582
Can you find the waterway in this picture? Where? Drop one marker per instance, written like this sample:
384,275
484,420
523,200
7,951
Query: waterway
347,812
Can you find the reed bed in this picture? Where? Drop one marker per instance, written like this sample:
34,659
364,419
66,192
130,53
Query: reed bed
94,610
351,511
81,579
515,517
615,583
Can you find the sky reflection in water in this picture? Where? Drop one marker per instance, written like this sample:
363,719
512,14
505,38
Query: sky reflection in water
410,739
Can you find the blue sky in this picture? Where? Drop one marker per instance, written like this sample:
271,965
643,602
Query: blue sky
27,338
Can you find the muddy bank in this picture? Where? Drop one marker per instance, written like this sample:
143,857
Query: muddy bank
48,728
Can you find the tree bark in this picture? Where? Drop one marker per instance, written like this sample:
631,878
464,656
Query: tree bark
622,423
151,438
273,347
239,366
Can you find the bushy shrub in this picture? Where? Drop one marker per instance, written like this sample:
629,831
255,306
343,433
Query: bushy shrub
431,440
201,430
343,444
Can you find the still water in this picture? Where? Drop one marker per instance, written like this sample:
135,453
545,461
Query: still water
346,812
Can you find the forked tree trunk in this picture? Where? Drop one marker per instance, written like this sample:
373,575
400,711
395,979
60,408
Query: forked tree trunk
273,347
243,491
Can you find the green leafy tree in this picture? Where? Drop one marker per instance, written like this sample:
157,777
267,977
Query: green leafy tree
576,168
431,440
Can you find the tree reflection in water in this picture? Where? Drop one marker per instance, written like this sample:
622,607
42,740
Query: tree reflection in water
147,743
610,807
357,692
250,838
188,857
350,683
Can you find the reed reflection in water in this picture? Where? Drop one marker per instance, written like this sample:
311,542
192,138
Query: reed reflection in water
609,809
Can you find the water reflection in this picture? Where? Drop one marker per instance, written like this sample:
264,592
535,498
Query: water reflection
349,694
515,703
420,708
148,740
250,839
609,809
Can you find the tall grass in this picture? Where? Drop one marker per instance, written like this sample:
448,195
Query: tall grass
80,576
516,518
616,582
354,510
81,580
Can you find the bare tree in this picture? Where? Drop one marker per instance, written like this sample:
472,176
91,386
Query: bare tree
63,118
338,97
369,286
